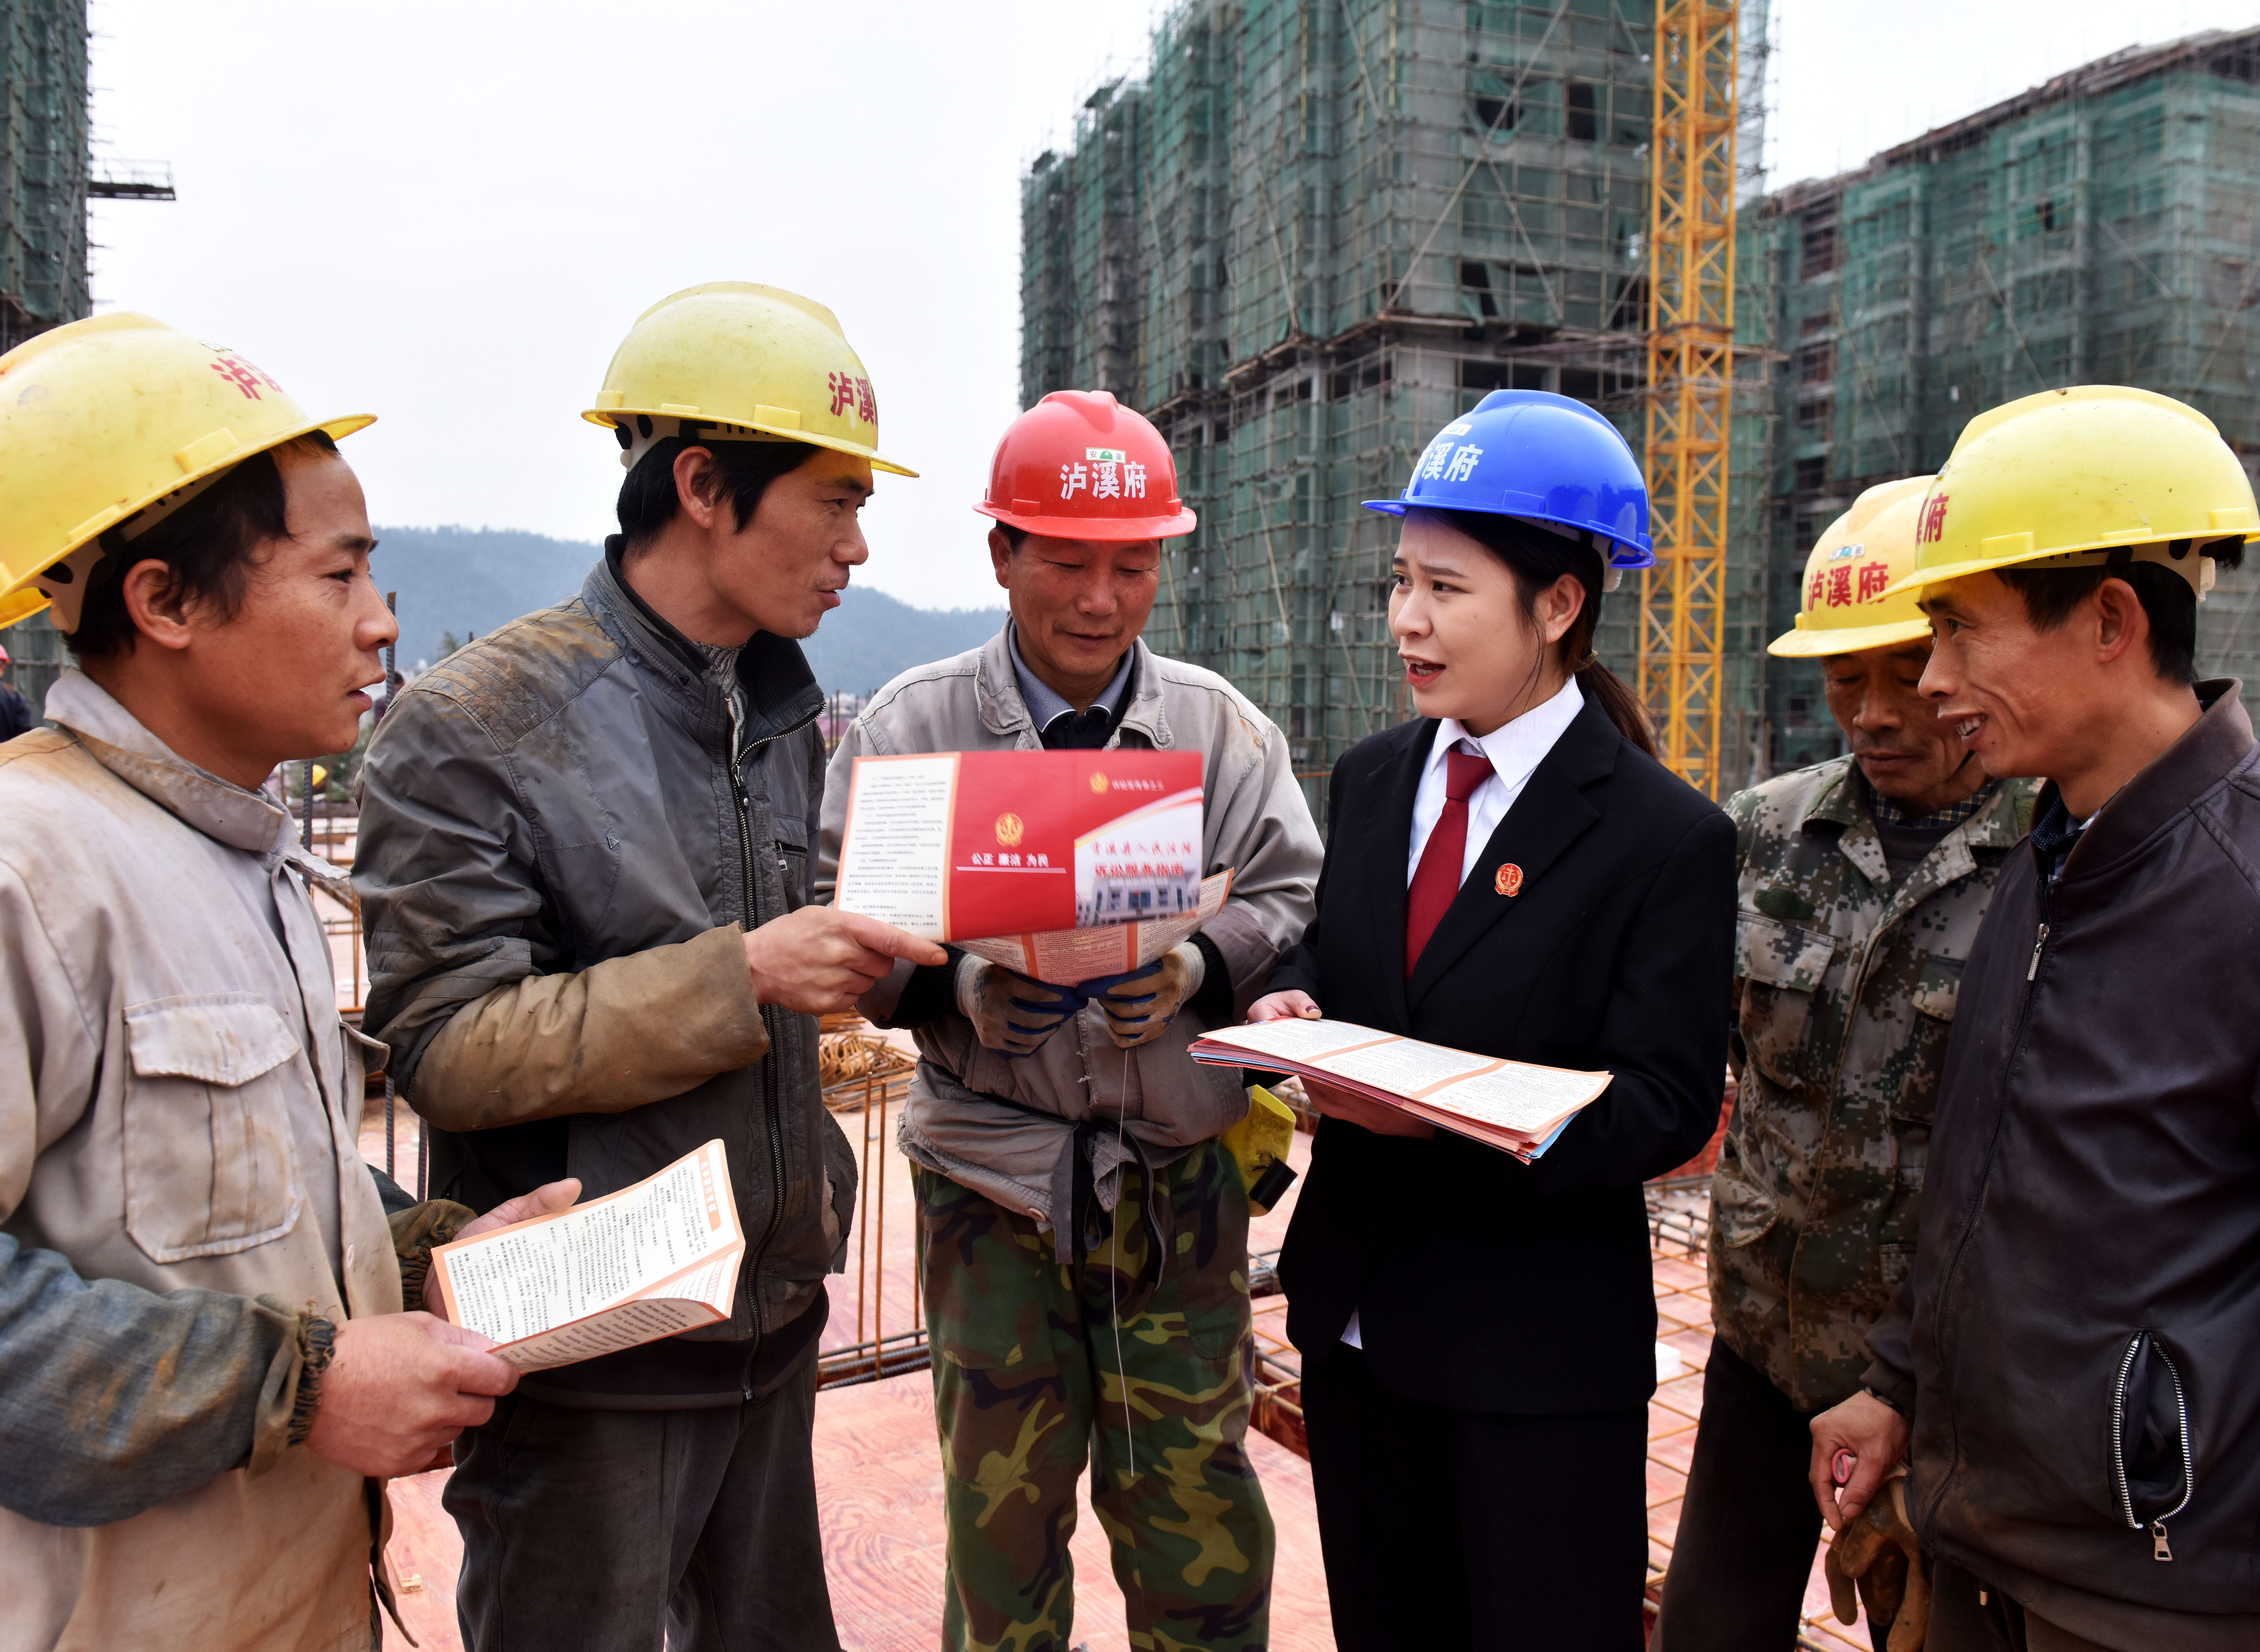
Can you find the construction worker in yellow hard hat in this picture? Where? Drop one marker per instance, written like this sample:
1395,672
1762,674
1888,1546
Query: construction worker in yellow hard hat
1863,882
583,862
2081,1296
191,1232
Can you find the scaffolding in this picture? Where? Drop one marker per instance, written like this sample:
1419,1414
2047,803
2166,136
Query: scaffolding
43,192
2102,228
43,166
1306,239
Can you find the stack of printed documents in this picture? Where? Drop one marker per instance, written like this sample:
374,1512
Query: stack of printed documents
1511,1106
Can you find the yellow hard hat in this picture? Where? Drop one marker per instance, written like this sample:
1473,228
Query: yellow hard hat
759,362
1851,570
2066,478
112,424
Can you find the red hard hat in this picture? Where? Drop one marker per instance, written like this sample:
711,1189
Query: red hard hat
1079,465
3,656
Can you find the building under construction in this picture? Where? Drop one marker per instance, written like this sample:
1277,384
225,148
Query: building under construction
1304,240
2103,228
1309,236
47,177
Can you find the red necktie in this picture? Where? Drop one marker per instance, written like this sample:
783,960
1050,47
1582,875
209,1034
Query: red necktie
1438,878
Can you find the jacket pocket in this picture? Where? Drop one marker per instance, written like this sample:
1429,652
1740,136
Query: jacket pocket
838,1211
1938,988
1781,966
2151,1440
792,861
1741,1212
208,1165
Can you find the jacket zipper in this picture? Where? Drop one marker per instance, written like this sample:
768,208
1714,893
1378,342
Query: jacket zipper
2159,1549
1946,1289
768,1066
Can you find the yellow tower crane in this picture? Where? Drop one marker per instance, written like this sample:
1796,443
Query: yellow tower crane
1691,370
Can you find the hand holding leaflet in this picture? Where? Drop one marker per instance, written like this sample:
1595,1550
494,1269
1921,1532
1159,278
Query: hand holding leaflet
1076,957
645,1262
1513,1105
948,845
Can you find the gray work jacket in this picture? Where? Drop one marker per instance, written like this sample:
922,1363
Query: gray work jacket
556,863
1005,1128
179,1183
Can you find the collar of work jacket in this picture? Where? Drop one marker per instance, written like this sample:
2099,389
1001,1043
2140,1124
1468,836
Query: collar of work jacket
1005,709
1008,1128
781,691
2208,749
247,821
1847,804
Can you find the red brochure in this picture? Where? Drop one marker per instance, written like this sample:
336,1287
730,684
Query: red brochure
960,846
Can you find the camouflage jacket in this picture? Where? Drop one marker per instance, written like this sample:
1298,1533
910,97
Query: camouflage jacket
1844,997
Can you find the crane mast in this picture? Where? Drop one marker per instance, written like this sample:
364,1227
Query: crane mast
1690,369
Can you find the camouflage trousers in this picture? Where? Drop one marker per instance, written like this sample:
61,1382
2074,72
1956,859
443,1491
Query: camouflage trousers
1033,1376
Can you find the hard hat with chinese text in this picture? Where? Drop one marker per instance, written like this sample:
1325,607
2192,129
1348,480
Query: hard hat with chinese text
109,424
731,361
1079,465
2084,477
1541,457
1846,607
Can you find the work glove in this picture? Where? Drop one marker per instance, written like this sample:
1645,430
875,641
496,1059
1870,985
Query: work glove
1011,1014
1880,1554
1141,1004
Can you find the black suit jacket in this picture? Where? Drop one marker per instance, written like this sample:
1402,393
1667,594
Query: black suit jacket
1481,1282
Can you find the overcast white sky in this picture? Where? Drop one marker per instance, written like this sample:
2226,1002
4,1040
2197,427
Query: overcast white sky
448,214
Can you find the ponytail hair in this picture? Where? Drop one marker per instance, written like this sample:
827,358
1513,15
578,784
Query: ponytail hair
1535,559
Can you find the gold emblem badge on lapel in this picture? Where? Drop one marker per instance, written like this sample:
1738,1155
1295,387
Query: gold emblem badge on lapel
1509,880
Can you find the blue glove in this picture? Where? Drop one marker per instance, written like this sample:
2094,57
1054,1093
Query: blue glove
1011,1014
1141,1002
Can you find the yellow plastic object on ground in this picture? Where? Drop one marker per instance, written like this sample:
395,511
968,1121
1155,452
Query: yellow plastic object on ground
113,422
756,359
1259,1141
2063,478
1850,576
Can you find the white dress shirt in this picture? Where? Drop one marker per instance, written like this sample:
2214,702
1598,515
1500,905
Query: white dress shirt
1515,750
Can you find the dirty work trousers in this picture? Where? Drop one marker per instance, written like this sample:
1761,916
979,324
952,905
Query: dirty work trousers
1748,1529
1451,1530
602,1530
1033,1378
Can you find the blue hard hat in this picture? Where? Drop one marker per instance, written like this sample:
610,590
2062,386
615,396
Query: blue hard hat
1542,457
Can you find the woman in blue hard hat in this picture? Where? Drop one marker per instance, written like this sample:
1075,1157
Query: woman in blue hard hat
1511,874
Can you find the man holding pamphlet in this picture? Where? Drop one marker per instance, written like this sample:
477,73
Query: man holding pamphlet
205,1372
583,869
1116,846
1515,884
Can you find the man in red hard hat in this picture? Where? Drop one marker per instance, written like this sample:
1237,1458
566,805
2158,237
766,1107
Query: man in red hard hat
1082,1235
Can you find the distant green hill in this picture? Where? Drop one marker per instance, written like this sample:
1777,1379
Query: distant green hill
472,580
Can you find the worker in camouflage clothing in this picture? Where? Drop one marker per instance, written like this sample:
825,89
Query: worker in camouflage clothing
1863,883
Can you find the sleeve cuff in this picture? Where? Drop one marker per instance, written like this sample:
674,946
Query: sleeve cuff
1893,1388
1213,1003
416,1232
930,994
